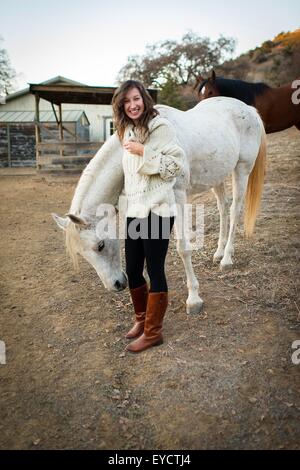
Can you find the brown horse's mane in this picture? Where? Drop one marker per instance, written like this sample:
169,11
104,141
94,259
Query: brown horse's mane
278,107
239,89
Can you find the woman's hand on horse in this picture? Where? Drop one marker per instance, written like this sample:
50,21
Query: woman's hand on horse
134,147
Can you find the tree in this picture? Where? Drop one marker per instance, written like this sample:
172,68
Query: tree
170,65
7,73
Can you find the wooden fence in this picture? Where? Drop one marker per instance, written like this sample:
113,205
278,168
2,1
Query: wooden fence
63,155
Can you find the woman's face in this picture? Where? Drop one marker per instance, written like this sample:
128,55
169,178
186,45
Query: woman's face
134,104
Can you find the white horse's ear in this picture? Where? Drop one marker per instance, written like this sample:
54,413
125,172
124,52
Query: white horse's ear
77,220
62,222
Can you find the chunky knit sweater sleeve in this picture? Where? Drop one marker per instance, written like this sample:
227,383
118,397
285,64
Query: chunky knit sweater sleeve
162,153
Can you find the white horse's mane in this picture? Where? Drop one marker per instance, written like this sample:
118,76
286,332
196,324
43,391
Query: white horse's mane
91,174
90,190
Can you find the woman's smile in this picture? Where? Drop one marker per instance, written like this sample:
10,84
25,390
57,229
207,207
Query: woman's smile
134,104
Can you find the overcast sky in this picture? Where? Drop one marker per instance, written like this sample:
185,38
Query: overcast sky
90,40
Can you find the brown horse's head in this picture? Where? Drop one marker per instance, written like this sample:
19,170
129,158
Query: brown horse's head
206,87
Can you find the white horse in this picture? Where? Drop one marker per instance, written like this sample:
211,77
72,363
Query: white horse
220,136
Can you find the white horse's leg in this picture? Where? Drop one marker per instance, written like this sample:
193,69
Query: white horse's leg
193,303
239,186
222,202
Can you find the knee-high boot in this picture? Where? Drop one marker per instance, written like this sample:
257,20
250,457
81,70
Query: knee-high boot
139,297
152,336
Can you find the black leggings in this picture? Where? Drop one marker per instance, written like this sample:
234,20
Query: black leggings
147,239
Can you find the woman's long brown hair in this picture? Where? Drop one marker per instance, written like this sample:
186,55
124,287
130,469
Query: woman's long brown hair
121,120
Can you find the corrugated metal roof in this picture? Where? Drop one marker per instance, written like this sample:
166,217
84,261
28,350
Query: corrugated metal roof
53,81
45,116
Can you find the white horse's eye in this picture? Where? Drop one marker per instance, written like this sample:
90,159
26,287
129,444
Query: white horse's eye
100,245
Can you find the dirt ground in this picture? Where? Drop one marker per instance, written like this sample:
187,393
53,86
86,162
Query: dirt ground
222,380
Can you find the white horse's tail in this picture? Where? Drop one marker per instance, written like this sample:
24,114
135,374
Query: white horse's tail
255,186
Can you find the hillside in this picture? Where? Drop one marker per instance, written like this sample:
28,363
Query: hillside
275,62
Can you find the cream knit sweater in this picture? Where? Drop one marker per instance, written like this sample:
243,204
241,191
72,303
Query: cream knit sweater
149,180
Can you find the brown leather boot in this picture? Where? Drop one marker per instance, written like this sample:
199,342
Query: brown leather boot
152,336
139,297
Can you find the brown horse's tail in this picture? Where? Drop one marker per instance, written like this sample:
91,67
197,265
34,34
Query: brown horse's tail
255,186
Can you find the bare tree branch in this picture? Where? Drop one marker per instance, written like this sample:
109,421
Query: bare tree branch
175,65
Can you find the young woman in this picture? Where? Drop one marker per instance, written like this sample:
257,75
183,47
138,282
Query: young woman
151,161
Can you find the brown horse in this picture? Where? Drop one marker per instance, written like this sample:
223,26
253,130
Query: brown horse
278,107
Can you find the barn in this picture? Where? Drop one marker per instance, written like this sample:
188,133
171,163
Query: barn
56,118
17,134
82,122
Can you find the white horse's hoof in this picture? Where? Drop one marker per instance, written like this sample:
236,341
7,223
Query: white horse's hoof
217,257
226,266
194,309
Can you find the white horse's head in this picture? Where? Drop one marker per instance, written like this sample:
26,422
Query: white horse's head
85,236
96,195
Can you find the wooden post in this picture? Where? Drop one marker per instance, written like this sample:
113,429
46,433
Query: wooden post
60,125
37,130
8,145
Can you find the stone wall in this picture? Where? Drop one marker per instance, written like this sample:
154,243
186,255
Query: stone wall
22,144
22,141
